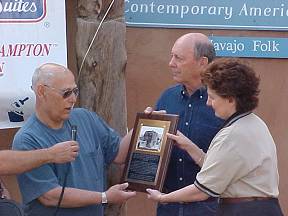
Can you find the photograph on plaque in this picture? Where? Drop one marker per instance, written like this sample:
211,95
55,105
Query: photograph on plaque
150,138
149,151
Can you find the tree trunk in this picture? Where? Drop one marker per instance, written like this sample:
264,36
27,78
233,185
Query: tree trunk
102,79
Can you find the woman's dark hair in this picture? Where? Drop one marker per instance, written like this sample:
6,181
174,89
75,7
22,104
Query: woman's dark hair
231,78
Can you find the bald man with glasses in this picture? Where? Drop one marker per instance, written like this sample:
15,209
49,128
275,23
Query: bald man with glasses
65,93
54,120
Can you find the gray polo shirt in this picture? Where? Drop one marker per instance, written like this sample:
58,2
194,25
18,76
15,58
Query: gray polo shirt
241,161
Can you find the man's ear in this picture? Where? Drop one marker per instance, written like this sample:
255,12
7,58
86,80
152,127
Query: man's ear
204,61
40,90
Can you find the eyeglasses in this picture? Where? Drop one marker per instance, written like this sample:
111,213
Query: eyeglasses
65,93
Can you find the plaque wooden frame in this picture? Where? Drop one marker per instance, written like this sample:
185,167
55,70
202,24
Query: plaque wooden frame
149,151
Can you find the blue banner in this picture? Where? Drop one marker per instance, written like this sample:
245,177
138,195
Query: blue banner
208,14
14,11
250,47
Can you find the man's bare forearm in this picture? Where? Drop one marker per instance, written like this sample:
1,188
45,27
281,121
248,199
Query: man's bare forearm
15,162
123,148
72,198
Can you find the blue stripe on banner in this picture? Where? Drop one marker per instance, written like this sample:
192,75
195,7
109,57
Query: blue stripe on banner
250,47
219,14
22,11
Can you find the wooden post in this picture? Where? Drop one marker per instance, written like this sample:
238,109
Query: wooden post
102,79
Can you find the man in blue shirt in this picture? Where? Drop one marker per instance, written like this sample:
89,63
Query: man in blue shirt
53,121
190,54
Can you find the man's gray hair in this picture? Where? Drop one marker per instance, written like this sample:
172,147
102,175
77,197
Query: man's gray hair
41,76
45,73
205,49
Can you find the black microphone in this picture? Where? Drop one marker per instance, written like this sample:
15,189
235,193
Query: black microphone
73,132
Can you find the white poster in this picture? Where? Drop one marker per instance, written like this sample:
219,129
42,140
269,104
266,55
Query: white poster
32,32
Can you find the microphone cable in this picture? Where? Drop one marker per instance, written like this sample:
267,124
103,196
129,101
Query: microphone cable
73,137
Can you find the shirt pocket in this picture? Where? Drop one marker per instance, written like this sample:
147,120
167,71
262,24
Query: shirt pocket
93,163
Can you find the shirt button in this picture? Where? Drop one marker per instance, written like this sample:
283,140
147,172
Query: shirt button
186,123
189,105
180,178
180,159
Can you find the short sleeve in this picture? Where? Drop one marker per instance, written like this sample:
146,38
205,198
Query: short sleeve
111,141
37,181
222,165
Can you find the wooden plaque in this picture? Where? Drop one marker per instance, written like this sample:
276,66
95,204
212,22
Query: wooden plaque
149,151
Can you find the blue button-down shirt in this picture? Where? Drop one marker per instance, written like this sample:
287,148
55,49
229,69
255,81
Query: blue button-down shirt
197,122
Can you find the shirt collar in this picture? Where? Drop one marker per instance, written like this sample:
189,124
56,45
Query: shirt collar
199,93
233,118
